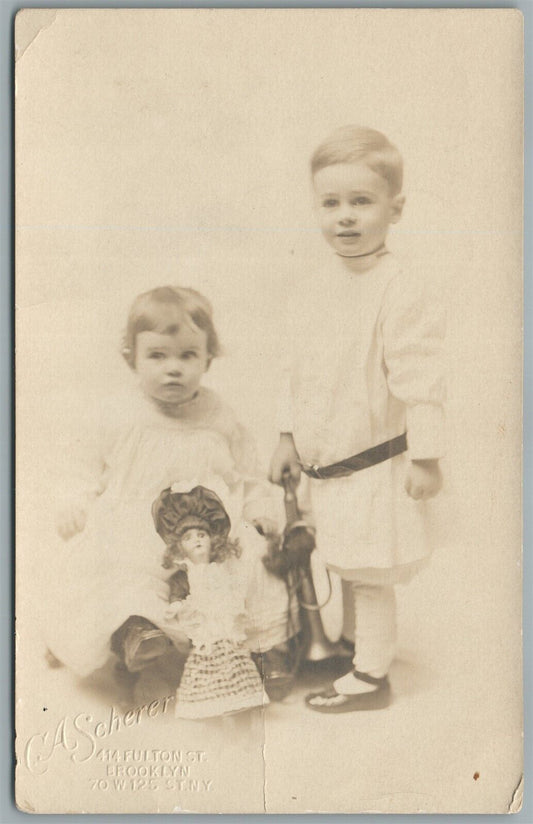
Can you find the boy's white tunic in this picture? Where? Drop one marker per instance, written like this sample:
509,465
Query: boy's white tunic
366,367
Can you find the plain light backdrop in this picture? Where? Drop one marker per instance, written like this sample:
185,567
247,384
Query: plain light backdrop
182,157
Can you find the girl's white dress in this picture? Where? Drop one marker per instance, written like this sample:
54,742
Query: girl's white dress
120,463
366,367
219,675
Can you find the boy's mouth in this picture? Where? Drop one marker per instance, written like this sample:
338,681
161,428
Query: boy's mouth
348,234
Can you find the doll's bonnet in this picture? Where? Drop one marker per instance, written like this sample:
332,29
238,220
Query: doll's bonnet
201,508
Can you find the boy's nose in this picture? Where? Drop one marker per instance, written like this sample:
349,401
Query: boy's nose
347,217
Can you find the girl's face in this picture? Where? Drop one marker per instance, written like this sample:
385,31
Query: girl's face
196,545
170,367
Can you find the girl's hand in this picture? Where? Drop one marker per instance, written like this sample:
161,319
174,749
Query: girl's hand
70,521
285,457
423,479
265,526
173,610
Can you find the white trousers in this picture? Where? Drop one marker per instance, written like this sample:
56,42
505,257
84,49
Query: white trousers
370,622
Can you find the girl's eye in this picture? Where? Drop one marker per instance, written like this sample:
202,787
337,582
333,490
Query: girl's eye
361,201
330,203
156,355
189,355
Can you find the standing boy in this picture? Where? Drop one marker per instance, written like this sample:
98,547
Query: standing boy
364,415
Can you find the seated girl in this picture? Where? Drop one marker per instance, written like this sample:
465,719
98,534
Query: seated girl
168,428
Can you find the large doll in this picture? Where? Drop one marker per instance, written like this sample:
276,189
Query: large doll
207,596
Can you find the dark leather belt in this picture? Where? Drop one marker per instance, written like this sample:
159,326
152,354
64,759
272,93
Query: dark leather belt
370,457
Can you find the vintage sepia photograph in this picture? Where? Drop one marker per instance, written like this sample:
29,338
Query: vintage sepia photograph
269,335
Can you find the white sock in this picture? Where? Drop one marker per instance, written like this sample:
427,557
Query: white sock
349,684
375,628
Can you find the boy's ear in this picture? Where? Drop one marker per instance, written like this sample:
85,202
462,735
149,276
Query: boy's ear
397,205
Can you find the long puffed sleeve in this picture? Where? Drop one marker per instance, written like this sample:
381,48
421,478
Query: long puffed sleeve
413,328
82,470
293,318
284,416
258,496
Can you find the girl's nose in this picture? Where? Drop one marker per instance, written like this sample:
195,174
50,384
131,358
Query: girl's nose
174,367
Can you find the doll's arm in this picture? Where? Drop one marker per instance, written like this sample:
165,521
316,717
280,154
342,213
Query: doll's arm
178,584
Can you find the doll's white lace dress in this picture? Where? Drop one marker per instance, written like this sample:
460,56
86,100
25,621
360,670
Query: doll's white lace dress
220,676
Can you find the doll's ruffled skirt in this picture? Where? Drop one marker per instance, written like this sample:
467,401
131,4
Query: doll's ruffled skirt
218,683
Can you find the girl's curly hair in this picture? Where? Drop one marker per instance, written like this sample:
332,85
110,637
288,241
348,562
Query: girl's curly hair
165,310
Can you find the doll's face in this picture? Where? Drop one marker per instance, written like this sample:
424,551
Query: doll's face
196,545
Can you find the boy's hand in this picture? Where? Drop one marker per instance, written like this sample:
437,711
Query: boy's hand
70,521
285,457
423,479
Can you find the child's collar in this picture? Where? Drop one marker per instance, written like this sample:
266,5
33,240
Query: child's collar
176,410
363,263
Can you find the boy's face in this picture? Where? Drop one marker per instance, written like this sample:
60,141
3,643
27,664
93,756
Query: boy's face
170,367
354,208
196,545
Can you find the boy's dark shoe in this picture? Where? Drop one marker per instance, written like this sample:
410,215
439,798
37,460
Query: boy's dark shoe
329,700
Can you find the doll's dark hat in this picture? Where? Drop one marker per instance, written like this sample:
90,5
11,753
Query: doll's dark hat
200,508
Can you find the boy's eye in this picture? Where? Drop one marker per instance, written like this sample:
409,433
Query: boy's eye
190,354
330,202
361,201
156,355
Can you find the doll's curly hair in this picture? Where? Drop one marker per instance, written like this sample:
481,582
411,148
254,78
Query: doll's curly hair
222,548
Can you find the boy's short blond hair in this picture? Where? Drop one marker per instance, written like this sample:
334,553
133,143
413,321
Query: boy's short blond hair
351,144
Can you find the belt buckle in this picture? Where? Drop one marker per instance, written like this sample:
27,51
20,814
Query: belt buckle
312,471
